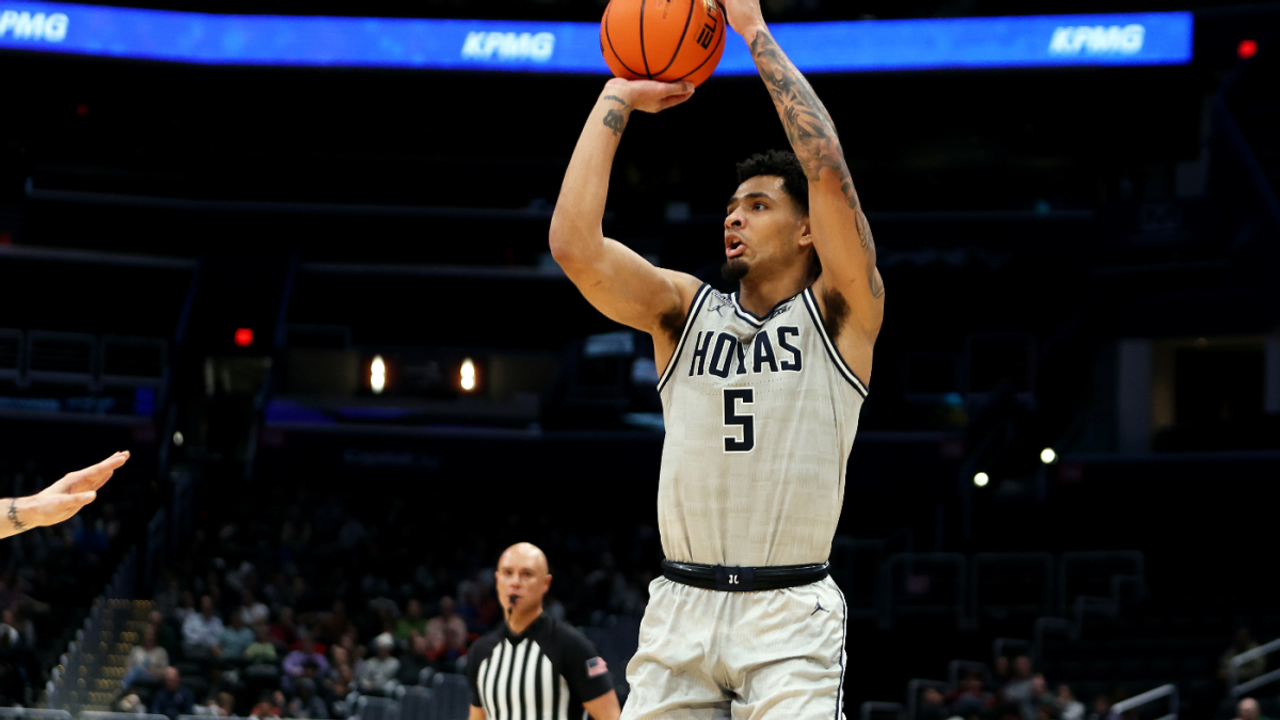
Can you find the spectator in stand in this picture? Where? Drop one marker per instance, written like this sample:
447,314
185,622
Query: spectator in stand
1040,695
971,700
235,638
1249,709
1101,708
148,660
262,651
186,607
222,705
8,630
932,706
201,631
306,703
412,623
1249,670
283,632
174,698
269,705
436,647
377,675
169,596
448,617
335,624
415,660
1020,690
255,612
342,679
306,653
165,635
221,681
1068,707
455,647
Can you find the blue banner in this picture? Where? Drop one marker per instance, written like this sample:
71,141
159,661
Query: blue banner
561,47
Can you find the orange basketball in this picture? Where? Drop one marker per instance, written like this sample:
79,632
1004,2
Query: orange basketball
667,40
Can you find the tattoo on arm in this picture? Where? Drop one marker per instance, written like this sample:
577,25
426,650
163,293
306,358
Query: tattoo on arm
615,121
13,515
812,133
617,99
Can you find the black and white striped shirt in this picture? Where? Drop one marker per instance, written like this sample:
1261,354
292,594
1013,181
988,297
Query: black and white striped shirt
545,673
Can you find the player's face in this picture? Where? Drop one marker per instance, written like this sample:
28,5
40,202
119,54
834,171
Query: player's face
763,226
522,580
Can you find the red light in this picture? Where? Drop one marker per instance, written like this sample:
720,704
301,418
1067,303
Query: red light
244,337
1247,49
82,109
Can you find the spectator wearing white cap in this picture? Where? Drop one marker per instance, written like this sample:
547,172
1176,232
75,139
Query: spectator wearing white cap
377,675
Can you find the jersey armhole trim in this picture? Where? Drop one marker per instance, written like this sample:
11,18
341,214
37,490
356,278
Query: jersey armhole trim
811,304
694,308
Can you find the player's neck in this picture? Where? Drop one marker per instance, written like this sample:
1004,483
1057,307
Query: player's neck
761,296
518,622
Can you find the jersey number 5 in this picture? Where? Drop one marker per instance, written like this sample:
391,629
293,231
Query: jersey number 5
744,420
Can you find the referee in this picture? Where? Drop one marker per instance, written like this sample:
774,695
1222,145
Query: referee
535,666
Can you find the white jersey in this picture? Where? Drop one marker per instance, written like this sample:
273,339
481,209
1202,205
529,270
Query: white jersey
761,415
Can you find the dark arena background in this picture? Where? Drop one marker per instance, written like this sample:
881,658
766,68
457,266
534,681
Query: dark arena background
317,305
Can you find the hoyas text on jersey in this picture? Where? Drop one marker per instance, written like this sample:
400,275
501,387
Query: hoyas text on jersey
715,353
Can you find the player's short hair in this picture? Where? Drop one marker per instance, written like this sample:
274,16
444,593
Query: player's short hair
783,164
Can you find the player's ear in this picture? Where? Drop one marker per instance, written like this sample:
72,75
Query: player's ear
806,232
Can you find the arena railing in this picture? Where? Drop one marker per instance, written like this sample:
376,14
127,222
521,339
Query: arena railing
1234,686
73,682
105,715
1160,693
34,714
870,708
952,566
1042,563
1001,646
1133,558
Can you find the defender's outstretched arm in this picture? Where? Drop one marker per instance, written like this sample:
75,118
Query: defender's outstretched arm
614,279
841,233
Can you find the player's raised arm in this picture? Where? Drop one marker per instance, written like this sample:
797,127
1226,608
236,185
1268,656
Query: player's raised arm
840,230
614,279
60,500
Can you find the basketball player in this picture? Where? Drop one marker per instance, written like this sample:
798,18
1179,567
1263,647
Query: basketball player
761,391
61,500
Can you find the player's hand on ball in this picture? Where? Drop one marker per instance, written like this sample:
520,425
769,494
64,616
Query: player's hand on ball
650,96
744,16
64,498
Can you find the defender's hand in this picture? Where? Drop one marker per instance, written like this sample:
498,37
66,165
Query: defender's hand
745,17
649,96
64,498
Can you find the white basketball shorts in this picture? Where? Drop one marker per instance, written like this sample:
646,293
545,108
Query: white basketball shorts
764,655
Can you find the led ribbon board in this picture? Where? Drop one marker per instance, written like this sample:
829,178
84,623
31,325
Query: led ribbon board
559,47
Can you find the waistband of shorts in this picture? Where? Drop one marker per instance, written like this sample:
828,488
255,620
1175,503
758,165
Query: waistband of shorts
743,579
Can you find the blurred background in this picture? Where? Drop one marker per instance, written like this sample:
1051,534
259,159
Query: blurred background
318,307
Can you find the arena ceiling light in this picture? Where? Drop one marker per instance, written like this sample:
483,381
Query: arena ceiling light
981,479
377,375
1158,38
1048,456
467,375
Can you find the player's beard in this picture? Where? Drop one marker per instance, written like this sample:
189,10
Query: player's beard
734,269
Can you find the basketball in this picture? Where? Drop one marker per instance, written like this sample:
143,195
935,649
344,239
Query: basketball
667,40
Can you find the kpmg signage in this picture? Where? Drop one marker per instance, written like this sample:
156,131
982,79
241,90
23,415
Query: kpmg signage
558,47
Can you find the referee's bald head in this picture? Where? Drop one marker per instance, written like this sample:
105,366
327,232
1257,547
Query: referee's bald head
523,578
524,553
